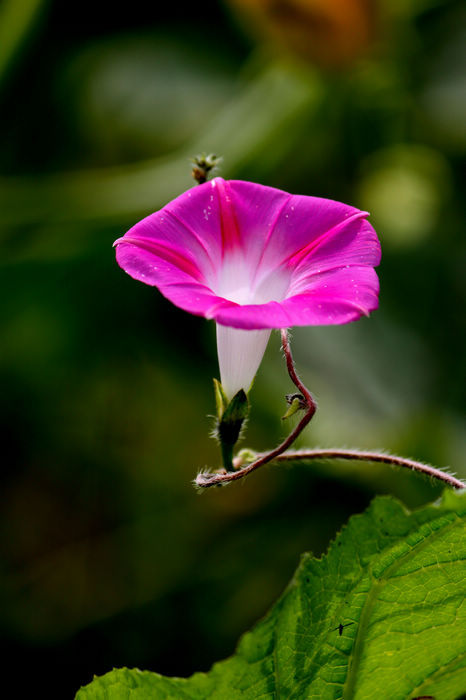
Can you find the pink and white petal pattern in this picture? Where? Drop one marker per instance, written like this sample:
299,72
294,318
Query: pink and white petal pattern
254,258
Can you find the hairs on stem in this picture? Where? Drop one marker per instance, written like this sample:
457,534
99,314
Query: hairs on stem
206,479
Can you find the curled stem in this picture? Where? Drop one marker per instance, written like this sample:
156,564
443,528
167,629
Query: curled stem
206,479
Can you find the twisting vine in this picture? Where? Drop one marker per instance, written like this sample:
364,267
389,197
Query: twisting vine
307,403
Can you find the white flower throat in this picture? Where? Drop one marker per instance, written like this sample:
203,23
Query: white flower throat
240,352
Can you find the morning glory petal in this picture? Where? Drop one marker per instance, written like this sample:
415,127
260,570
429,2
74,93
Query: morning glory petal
254,258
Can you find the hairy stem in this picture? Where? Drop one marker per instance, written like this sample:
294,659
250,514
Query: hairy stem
350,455
380,457
207,479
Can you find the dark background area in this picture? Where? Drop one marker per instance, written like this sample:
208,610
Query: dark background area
108,555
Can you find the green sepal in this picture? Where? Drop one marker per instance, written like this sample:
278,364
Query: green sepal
221,400
232,419
230,423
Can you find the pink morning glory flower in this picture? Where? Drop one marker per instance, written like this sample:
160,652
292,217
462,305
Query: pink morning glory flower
255,258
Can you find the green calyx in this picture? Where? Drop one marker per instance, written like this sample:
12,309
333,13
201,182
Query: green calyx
221,400
230,419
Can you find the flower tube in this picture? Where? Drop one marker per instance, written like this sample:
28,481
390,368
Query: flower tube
254,258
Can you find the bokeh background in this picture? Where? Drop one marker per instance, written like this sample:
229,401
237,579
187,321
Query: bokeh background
108,555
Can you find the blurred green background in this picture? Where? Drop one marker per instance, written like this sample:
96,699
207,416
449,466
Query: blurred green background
108,555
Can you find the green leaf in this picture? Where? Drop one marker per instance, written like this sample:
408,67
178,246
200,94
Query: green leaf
381,615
